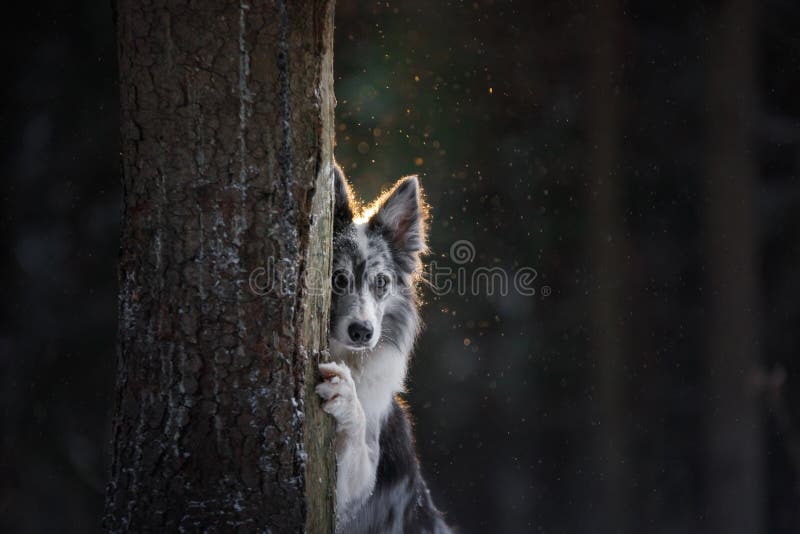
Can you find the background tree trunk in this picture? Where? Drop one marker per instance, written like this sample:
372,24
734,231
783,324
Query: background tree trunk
735,469
227,135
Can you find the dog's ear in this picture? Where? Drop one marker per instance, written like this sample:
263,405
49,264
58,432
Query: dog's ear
343,200
401,216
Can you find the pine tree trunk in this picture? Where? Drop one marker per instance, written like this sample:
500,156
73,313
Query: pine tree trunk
735,493
227,135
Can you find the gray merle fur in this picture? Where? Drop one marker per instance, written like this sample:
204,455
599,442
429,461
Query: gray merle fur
391,241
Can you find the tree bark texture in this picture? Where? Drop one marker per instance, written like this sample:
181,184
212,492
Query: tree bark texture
734,485
227,135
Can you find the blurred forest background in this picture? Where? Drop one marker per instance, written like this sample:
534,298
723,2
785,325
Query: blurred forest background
643,157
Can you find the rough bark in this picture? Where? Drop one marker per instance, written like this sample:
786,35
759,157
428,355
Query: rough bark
608,248
735,493
227,125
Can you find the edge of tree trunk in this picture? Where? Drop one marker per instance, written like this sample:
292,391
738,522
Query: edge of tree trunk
319,430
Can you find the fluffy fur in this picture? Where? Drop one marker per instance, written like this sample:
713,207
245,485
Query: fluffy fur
374,322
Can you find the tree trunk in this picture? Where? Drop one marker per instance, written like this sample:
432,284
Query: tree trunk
734,477
608,251
227,135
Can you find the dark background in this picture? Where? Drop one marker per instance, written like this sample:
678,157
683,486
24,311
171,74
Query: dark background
500,108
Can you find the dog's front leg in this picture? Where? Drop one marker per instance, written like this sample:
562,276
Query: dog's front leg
356,461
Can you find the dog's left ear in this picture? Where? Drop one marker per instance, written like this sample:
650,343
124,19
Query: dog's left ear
401,216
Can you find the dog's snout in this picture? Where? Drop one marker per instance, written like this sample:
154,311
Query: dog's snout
360,332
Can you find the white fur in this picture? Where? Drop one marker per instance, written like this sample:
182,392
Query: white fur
359,400
357,450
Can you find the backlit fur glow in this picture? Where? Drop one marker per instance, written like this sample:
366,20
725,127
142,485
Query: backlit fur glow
373,326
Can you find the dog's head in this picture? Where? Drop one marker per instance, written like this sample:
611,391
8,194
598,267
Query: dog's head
376,261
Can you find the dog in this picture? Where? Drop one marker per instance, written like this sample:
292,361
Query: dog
373,324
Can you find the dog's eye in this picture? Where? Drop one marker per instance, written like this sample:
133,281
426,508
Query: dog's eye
341,282
381,284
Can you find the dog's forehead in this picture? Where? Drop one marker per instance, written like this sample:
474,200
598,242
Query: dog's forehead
359,248
379,256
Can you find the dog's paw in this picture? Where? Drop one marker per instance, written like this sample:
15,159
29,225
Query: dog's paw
338,392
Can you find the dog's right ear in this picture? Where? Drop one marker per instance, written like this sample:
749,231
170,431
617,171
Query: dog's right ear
343,200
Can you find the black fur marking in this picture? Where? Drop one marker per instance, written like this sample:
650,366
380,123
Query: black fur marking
359,273
397,460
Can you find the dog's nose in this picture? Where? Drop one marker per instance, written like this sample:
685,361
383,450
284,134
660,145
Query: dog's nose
360,332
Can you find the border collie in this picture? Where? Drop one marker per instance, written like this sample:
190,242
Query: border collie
373,324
